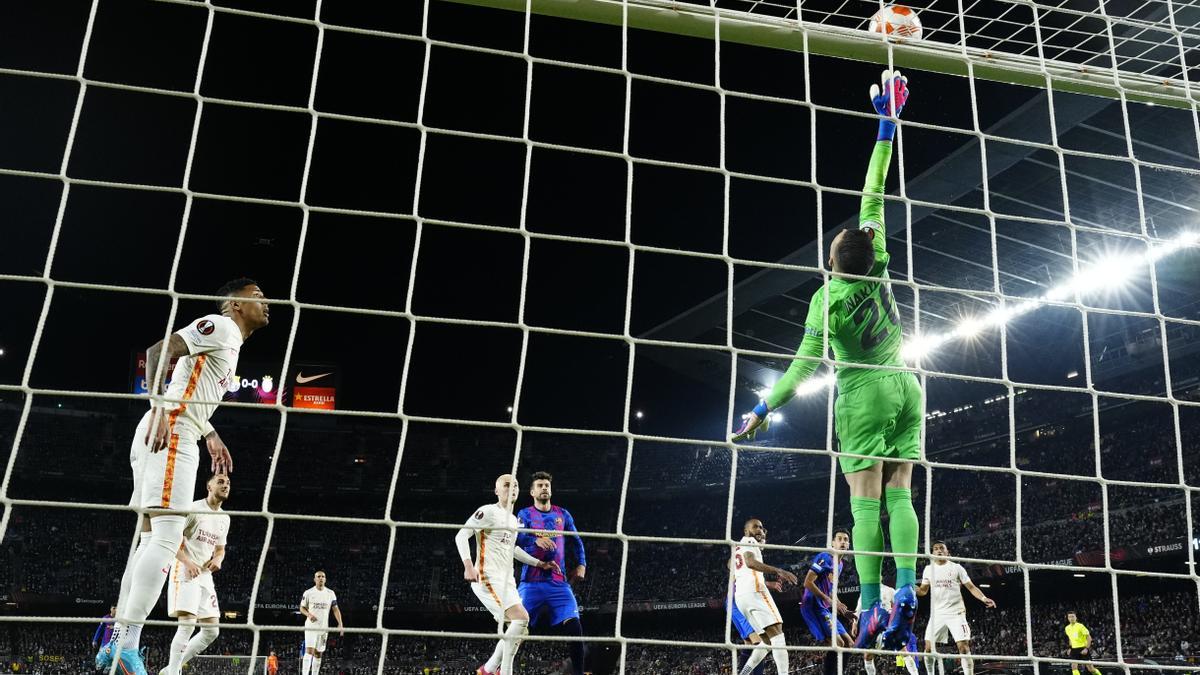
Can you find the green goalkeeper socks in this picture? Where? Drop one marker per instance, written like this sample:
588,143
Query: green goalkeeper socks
868,536
903,528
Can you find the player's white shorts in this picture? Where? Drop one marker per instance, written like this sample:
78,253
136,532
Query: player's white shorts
954,624
197,596
759,609
315,639
165,479
497,597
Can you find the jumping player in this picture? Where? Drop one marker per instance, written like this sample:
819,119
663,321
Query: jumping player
164,456
546,594
192,597
945,579
754,601
878,412
104,631
491,574
816,606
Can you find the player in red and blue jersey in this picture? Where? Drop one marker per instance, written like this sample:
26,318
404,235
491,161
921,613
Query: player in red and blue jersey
547,594
817,604
104,631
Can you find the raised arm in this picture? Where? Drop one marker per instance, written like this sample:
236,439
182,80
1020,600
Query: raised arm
888,99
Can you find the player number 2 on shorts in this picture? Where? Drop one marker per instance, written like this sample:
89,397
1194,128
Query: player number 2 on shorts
868,314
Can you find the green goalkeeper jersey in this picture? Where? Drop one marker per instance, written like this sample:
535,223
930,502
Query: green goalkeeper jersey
864,324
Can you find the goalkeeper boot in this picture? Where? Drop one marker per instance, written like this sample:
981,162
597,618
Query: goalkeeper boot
870,625
904,612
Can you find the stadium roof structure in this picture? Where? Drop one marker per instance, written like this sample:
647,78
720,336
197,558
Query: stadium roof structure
1084,49
951,249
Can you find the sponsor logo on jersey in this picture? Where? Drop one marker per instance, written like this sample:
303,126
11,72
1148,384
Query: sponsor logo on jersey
205,327
479,515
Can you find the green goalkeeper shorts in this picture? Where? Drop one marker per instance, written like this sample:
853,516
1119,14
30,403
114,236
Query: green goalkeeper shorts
879,419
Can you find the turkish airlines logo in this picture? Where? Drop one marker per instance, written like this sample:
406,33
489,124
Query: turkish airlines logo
301,378
205,327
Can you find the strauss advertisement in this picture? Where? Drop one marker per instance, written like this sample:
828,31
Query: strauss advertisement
310,386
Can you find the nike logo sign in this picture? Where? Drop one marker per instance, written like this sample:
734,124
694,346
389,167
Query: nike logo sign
301,379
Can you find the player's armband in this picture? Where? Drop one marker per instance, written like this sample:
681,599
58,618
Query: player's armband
871,225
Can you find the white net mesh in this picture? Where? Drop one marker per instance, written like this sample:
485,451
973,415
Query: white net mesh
1043,204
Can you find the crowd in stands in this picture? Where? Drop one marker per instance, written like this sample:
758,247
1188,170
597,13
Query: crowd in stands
674,490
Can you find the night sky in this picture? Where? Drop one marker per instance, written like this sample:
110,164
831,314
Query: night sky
129,237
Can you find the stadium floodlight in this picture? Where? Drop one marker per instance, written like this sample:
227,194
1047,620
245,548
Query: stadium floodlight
1108,272
764,392
639,414
776,417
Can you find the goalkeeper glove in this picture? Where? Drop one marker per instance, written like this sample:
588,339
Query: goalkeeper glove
754,421
889,102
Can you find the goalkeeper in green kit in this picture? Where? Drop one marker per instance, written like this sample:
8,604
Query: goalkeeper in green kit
877,412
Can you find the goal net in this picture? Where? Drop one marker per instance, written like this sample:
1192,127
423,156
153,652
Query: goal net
581,237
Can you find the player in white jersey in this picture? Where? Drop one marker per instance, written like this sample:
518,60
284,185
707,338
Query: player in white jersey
754,601
887,596
945,579
192,595
491,574
164,456
316,604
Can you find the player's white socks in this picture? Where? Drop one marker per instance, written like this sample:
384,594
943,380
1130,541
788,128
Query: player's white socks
207,636
308,659
316,664
910,664
967,665
756,658
512,640
127,576
494,662
179,645
121,632
149,573
870,666
780,655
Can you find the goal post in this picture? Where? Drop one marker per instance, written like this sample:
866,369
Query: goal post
700,21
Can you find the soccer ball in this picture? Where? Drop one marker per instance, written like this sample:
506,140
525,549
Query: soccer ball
897,21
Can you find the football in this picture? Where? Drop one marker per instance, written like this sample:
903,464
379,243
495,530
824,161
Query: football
897,21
